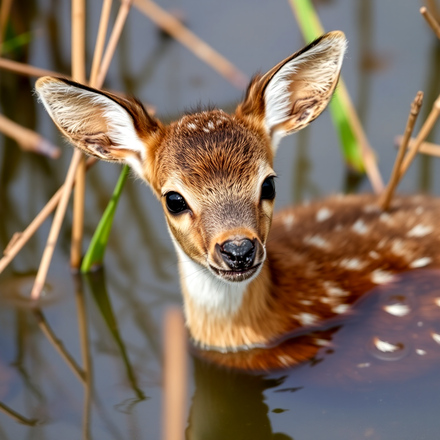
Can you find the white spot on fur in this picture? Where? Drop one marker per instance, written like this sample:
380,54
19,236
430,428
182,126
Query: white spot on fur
305,302
385,218
421,262
385,347
380,276
374,255
352,264
341,308
420,231
289,220
360,227
397,309
333,290
192,126
206,130
306,318
419,210
322,342
316,240
211,126
323,214
420,352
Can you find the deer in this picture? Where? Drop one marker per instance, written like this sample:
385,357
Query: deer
250,278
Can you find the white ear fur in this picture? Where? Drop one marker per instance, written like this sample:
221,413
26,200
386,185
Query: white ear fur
300,90
93,121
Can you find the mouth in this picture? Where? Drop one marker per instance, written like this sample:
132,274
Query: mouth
236,276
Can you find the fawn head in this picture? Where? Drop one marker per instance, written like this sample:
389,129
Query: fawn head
213,172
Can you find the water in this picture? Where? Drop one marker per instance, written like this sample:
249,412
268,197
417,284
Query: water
121,309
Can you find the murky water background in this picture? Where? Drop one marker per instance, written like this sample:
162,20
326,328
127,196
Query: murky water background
392,54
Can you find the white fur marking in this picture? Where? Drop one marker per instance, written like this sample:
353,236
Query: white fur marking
316,240
374,255
341,308
397,309
360,227
289,220
380,276
207,290
421,262
333,290
192,126
385,347
352,264
420,231
323,214
306,318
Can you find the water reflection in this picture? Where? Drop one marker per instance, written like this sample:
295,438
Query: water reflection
230,404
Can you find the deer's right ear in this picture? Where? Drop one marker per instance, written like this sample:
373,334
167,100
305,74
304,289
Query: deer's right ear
297,90
101,124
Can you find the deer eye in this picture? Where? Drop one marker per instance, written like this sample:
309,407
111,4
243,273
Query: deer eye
268,189
175,202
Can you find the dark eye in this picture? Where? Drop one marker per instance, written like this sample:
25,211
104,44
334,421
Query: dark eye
268,189
175,202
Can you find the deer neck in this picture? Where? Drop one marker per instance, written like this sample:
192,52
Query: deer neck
225,315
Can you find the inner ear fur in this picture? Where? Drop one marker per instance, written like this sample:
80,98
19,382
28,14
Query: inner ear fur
297,90
102,124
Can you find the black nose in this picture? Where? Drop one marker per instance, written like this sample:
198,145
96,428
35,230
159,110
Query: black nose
238,254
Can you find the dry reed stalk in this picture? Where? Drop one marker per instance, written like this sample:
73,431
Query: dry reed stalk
196,45
27,139
431,20
26,69
55,228
113,41
100,41
4,16
428,148
19,239
385,199
85,355
58,345
174,376
424,132
78,74
17,416
53,202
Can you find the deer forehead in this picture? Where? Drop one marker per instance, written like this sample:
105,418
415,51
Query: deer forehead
211,154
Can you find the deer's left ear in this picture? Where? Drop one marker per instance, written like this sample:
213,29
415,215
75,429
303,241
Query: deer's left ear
297,90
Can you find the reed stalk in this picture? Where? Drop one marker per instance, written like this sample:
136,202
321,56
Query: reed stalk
428,148
431,20
423,134
385,199
356,148
113,41
100,41
26,69
79,75
18,240
55,228
175,371
28,140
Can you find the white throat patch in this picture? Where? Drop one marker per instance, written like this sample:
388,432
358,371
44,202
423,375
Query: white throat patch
207,291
